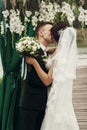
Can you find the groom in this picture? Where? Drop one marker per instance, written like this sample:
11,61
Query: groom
33,96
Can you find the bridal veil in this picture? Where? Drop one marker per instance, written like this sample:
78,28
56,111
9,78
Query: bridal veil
66,56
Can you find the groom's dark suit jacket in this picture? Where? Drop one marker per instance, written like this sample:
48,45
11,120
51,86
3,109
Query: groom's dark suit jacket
34,92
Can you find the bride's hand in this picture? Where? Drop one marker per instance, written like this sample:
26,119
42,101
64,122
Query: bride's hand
30,60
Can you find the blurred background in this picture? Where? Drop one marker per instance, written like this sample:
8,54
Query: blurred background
29,13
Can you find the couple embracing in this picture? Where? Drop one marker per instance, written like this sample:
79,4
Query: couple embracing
38,109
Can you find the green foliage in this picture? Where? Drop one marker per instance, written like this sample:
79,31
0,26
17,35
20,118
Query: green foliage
60,17
81,39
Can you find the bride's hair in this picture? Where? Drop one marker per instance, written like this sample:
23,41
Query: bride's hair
55,30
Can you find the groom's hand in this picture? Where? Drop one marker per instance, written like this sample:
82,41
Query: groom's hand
29,60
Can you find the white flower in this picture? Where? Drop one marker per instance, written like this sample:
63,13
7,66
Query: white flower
5,13
36,13
81,9
34,48
20,47
2,27
32,52
56,7
15,22
34,21
17,12
28,13
82,15
68,12
46,12
26,19
43,4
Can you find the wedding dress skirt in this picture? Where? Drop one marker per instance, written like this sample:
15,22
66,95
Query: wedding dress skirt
60,112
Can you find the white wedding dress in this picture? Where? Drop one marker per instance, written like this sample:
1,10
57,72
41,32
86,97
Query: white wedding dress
60,113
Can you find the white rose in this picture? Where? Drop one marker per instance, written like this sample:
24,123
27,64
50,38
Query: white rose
34,48
20,47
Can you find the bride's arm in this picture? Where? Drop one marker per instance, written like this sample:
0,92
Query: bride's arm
45,78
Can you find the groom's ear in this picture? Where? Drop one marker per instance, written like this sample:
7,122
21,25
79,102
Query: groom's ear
41,32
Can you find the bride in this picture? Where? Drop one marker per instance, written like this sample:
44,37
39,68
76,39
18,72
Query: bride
60,113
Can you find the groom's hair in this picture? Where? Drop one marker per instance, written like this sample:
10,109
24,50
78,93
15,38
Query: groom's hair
40,25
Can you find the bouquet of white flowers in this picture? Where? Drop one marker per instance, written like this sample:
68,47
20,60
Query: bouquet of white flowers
28,46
